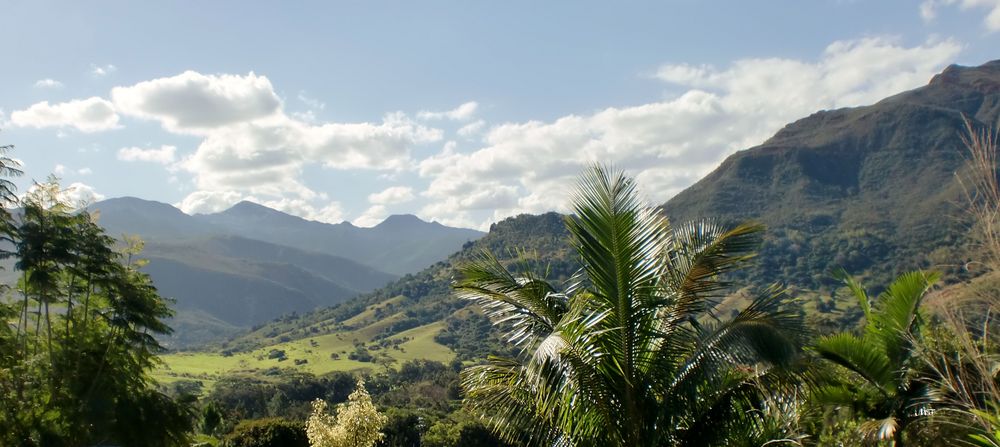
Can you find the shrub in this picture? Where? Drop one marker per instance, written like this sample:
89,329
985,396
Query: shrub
270,432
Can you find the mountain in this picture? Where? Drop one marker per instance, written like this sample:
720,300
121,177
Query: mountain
153,220
871,189
224,283
399,245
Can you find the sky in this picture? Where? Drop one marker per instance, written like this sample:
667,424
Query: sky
461,112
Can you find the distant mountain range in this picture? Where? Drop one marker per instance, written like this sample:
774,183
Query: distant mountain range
250,264
871,189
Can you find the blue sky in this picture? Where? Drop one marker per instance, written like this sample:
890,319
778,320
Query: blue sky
461,112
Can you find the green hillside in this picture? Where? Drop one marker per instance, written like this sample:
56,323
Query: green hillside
414,317
871,189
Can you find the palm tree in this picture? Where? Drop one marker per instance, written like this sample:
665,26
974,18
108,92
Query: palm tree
882,361
630,353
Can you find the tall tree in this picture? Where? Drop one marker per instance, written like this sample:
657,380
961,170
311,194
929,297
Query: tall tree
631,352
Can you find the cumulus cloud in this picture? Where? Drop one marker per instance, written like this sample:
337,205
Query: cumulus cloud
392,195
463,112
991,19
86,115
163,155
529,166
268,157
102,70
192,102
48,83
372,216
251,147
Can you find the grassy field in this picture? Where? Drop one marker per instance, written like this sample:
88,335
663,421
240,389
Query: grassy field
318,354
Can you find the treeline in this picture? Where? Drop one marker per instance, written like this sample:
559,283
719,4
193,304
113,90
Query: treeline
421,401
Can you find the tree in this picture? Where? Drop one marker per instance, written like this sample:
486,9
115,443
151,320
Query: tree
631,352
883,361
357,422
85,378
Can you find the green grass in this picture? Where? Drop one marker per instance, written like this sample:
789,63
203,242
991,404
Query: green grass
415,343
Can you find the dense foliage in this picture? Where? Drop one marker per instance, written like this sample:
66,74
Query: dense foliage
269,432
75,358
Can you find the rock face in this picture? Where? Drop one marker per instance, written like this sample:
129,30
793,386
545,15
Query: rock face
871,189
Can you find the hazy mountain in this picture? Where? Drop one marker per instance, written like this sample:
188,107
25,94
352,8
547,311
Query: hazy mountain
224,283
399,245
871,189
150,219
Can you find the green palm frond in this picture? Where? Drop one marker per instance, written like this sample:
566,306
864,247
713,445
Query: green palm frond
897,312
761,335
703,250
857,290
619,239
861,356
527,306
503,395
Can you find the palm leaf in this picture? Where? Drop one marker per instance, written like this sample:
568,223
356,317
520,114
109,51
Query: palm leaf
861,356
527,306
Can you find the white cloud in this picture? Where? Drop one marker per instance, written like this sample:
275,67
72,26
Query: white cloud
215,201
86,115
392,195
372,216
268,157
251,147
991,19
530,166
60,170
463,112
312,103
102,70
195,103
471,129
48,83
79,195
164,155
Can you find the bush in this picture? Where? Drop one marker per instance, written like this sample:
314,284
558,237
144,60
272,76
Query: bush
270,432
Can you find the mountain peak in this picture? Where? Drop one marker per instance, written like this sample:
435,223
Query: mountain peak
396,219
248,208
982,78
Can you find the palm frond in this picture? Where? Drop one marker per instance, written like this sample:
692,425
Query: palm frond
503,395
761,335
862,357
526,306
702,250
857,290
898,312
